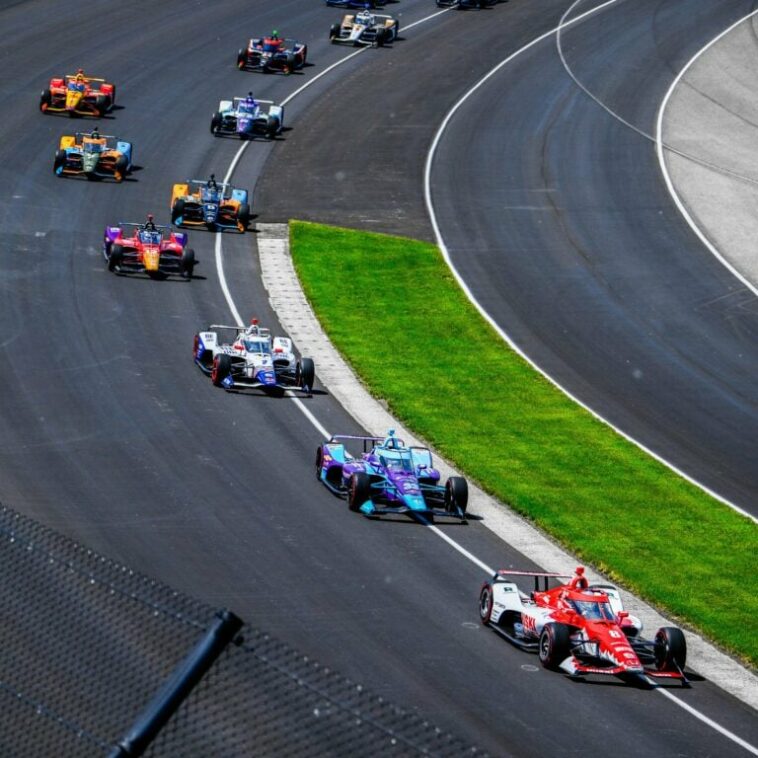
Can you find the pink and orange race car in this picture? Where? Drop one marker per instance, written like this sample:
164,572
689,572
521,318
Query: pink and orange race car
147,248
78,95
580,628
272,53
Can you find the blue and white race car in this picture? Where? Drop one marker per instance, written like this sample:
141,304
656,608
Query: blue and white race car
252,360
389,477
246,117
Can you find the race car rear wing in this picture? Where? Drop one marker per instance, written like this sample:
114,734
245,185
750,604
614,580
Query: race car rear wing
135,225
367,441
536,574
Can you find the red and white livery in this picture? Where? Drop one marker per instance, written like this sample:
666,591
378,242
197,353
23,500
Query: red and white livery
579,628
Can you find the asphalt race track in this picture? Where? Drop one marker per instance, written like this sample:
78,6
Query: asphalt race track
112,436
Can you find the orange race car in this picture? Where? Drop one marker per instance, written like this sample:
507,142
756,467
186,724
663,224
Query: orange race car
78,95
215,205
93,155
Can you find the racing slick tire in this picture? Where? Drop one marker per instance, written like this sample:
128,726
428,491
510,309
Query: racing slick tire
670,649
241,60
358,490
243,217
102,104
381,37
45,100
289,64
554,645
456,494
59,162
305,373
216,124
222,367
115,258
121,168
303,56
177,210
188,263
485,603
334,33
319,461
272,127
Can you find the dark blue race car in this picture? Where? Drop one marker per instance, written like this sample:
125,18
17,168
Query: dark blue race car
389,478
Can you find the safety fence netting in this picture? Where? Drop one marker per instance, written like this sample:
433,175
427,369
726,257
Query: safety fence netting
85,643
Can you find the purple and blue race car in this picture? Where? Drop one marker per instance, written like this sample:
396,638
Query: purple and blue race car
389,477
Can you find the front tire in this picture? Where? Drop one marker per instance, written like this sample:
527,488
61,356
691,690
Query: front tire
120,169
670,649
216,124
554,645
334,33
45,100
485,603
222,367
358,490
177,211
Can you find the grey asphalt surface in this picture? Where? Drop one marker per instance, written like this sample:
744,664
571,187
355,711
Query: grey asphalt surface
109,434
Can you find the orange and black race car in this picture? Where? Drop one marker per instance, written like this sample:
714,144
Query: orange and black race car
78,95
93,155
215,205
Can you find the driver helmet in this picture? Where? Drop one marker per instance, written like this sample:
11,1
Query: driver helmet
212,182
275,35
79,75
364,17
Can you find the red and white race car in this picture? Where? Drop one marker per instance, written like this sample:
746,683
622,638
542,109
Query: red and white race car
580,628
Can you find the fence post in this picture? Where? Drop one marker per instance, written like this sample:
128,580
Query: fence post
186,675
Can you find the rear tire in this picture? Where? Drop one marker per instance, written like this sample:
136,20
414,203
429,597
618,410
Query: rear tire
45,100
456,494
319,461
272,127
306,373
102,103
121,168
188,263
177,211
59,162
222,367
116,257
554,645
381,37
241,60
358,490
243,217
670,649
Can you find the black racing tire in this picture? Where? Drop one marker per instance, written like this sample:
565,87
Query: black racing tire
188,263
243,216
121,168
485,603
115,258
319,461
554,645
272,127
102,103
670,649
306,373
358,490
289,64
334,32
45,100
241,59
381,37
60,160
177,210
456,494
222,367
303,56
216,123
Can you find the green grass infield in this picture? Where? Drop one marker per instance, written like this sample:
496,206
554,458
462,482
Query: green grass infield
393,309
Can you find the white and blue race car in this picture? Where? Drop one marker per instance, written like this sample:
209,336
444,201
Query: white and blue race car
253,359
247,117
